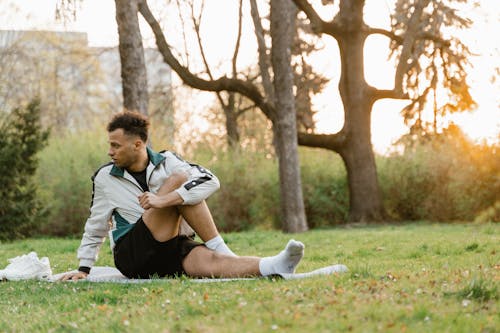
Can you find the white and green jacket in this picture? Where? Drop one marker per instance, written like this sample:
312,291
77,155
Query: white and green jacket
115,198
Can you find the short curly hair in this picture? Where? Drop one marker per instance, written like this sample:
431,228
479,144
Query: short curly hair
132,123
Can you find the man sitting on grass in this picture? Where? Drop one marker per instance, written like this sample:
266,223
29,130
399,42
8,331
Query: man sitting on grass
146,195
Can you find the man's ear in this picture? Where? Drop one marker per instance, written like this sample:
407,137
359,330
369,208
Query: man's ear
138,144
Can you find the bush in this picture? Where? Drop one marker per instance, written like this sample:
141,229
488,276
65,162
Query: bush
445,179
325,189
66,167
439,181
21,137
249,193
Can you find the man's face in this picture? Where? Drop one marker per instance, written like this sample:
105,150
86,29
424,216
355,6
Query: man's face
123,148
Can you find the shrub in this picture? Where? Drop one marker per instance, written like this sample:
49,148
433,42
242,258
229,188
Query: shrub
324,183
249,193
445,179
490,214
439,181
66,167
21,137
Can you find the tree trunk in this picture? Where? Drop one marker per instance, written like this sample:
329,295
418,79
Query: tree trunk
133,67
357,151
231,113
357,154
292,203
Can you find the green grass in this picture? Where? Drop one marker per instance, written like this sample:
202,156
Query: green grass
413,278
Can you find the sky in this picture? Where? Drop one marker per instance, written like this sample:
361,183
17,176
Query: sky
96,17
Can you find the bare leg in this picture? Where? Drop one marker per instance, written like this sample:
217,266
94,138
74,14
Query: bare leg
164,223
202,262
200,219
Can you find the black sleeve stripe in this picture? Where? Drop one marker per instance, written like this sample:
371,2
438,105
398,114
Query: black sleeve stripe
197,182
93,184
97,171
202,169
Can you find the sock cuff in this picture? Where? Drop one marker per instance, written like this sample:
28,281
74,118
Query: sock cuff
265,266
212,243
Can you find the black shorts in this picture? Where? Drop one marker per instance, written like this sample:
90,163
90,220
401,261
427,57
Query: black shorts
138,255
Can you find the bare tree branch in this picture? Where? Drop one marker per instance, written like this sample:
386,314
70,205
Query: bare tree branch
333,142
223,83
196,23
262,49
318,25
408,41
391,35
183,33
238,38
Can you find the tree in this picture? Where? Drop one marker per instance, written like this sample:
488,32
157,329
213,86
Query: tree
282,33
133,67
307,82
282,114
232,105
21,138
424,59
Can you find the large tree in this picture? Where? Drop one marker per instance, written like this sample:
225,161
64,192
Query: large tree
425,61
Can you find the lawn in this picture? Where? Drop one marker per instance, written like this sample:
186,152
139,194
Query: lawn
406,278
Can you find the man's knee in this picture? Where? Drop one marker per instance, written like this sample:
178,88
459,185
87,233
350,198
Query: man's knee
200,261
185,229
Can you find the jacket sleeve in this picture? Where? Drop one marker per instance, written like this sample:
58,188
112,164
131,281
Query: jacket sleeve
97,225
201,182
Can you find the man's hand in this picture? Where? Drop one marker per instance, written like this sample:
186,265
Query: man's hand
74,276
149,200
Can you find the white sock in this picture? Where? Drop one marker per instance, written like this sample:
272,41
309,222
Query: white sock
285,261
218,245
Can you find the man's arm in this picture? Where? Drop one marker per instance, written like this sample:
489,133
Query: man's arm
96,229
168,196
200,184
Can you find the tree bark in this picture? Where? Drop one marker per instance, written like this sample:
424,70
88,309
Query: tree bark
353,142
133,67
292,203
231,113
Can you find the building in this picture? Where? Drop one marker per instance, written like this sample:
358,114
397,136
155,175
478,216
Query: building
77,84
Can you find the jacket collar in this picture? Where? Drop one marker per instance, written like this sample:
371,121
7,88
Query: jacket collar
154,157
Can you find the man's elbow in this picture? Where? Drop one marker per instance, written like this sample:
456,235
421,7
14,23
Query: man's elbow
178,178
216,184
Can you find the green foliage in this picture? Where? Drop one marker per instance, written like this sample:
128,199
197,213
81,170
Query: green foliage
325,188
66,167
446,178
21,138
249,193
490,214
386,291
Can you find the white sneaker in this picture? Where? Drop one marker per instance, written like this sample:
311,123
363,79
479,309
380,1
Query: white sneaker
27,266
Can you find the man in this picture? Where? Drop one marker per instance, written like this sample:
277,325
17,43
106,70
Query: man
146,195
